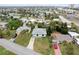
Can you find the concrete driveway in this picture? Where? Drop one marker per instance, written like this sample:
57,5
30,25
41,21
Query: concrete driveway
57,51
31,43
15,48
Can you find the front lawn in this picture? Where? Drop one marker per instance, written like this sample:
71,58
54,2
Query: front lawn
69,49
23,38
8,34
3,51
43,46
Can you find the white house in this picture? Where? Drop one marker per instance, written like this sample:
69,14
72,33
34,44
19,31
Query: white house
16,17
20,29
40,20
77,40
56,19
73,34
32,20
3,25
47,21
39,32
24,20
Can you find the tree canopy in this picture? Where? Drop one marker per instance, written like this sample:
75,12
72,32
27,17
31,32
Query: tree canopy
14,24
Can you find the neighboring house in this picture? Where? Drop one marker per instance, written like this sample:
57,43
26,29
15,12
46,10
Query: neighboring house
20,29
58,37
3,25
32,20
73,34
62,38
47,22
40,20
39,32
24,20
56,19
16,17
77,40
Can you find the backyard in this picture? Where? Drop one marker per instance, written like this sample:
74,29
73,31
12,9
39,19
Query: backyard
43,46
23,38
4,51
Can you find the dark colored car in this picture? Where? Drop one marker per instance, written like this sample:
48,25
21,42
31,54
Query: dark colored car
55,46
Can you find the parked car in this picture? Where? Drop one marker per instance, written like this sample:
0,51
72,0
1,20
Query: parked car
55,46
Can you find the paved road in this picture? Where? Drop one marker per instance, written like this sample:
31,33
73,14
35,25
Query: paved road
31,43
57,51
17,49
63,19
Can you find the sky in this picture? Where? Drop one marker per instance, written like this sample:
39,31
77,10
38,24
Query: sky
37,2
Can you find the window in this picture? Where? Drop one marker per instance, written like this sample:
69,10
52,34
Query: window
37,34
42,34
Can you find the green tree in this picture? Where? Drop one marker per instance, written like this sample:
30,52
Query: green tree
49,31
64,28
1,33
14,24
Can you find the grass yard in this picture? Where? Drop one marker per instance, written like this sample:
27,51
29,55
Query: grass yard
8,34
64,50
24,38
76,49
42,45
3,51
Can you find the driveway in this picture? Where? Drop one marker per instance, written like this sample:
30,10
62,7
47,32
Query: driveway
57,51
15,48
31,43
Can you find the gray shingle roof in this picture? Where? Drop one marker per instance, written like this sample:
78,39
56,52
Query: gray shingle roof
39,31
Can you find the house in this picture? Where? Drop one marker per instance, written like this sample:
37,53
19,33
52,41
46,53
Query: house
77,40
47,22
24,20
56,19
20,29
16,17
58,37
39,32
3,25
32,20
40,20
73,34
